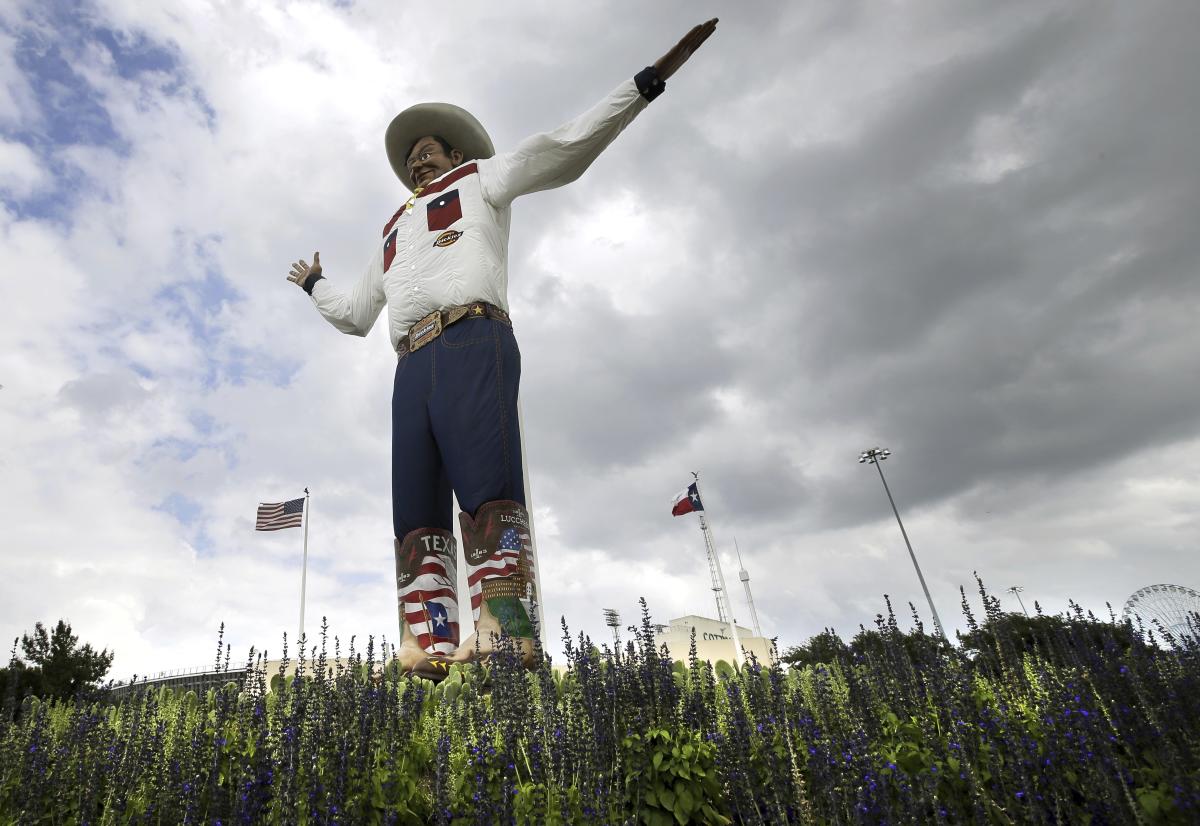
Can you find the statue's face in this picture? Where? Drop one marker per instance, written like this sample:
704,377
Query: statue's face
428,160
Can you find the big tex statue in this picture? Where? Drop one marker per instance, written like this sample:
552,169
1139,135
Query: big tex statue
441,267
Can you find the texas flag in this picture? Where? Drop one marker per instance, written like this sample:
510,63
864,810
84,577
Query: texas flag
439,619
687,501
434,623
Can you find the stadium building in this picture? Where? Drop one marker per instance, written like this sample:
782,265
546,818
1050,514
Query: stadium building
713,640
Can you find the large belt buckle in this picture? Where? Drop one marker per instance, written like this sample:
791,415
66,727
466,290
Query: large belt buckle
425,331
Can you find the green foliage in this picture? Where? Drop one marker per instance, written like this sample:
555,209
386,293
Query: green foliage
910,749
1152,790
537,804
826,647
17,681
1011,636
673,775
1082,725
870,644
54,665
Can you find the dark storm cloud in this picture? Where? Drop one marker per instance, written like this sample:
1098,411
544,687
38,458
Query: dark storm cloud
618,390
1015,324
1035,324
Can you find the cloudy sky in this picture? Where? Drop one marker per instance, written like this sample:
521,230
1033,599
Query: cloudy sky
963,231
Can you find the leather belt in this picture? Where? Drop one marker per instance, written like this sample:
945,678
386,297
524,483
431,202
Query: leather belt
432,325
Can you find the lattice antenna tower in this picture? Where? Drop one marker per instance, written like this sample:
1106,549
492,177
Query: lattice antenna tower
712,571
725,610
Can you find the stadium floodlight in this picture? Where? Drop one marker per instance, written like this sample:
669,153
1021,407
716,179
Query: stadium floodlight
875,456
1016,590
613,620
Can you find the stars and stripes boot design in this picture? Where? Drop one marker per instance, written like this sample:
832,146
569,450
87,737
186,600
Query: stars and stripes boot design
500,576
426,580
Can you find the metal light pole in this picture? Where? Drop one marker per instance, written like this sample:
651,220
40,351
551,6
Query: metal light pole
875,456
1016,591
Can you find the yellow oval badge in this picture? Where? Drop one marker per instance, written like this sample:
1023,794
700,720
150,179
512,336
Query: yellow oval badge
447,238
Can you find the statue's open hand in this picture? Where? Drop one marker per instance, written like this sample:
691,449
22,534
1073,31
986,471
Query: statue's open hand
301,270
669,63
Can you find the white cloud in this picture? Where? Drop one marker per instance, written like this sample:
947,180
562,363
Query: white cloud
21,174
754,282
17,102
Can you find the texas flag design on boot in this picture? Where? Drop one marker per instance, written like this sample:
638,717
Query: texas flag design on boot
426,575
432,626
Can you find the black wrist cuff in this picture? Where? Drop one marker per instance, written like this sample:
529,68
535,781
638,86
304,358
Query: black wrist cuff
310,282
649,83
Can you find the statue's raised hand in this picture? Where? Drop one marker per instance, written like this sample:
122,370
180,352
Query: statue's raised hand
301,270
669,63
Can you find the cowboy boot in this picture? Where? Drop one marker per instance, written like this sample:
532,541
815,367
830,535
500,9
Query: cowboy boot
427,600
496,547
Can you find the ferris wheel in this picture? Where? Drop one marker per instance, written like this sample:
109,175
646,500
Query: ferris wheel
1171,607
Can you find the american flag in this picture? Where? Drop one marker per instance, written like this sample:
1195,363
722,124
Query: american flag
503,563
430,605
278,515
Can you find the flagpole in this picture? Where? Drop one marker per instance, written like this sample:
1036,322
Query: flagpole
304,568
712,547
537,569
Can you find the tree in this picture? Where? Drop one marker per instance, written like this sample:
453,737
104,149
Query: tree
825,647
916,645
1061,639
16,682
57,666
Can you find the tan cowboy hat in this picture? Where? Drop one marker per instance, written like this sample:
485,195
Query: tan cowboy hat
458,126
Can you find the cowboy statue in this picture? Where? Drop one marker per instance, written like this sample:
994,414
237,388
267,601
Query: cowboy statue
441,267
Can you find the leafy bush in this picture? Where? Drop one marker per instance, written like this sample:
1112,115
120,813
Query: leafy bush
1091,722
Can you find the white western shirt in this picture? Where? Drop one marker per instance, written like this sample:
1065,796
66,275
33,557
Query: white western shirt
452,248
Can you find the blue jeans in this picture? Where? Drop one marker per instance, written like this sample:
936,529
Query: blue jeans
454,425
